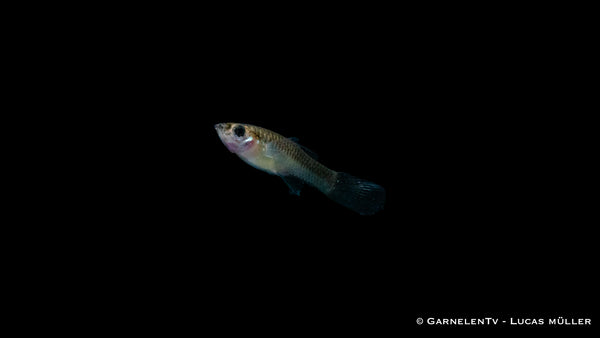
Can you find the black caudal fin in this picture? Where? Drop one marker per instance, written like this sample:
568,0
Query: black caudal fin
362,196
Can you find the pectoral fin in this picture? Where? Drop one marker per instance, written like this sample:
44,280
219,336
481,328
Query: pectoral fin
294,184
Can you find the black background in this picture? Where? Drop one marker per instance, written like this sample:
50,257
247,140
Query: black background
465,121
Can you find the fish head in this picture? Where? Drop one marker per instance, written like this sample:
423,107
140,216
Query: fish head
237,137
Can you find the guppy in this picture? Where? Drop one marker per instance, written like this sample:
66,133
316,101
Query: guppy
296,165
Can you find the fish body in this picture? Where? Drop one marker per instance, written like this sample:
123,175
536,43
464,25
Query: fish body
278,155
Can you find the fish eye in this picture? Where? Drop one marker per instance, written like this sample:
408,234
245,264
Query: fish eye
239,131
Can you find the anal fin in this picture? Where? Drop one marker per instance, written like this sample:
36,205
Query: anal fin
295,184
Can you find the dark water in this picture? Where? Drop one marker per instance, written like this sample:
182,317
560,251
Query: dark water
484,216
482,211
475,220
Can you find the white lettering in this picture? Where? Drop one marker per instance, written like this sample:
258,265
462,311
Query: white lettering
512,321
462,321
569,321
526,321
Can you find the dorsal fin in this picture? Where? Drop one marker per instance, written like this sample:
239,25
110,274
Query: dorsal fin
306,150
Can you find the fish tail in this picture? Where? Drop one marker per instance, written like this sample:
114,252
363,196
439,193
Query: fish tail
359,195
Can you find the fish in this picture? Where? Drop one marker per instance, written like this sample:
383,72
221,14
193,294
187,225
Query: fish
275,154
